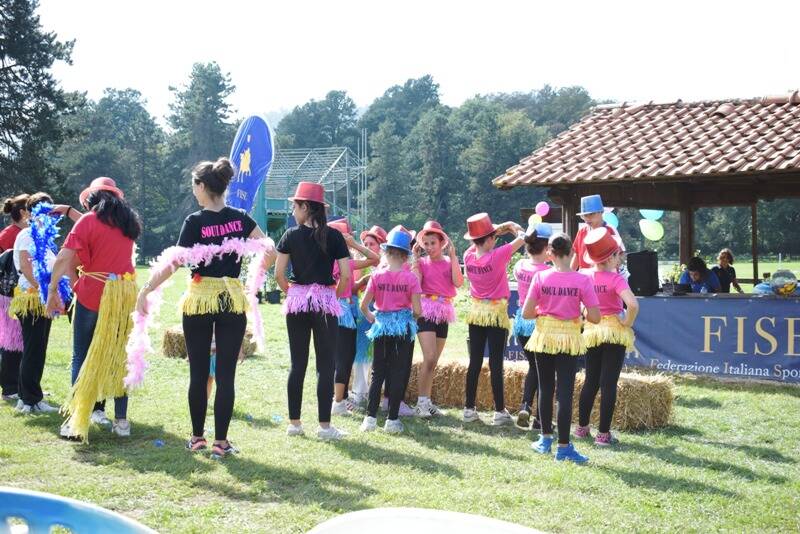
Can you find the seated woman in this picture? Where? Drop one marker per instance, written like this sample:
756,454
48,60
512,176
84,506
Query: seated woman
700,277
725,271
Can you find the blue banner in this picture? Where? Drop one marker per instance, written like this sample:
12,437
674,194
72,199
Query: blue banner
252,153
736,337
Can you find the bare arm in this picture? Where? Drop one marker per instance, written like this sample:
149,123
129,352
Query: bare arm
156,279
365,302
632,306
69,211
529,309
593,314
510,227
457,275
26,267
66,260
281,263
361,283
370,257
416,307
344,276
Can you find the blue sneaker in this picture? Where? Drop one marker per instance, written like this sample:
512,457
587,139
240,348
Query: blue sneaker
543,446
569,453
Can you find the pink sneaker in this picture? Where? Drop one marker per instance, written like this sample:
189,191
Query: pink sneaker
582,432
604,439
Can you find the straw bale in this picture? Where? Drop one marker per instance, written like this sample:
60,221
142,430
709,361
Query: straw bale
174,345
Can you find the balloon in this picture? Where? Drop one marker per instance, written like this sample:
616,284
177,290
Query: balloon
652,215
542,208
534,219
652,230
611,220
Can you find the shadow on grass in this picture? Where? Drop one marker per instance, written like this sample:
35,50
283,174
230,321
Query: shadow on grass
665,484
703,402
790,390
670,455
762,453
362,451
439,437
266,483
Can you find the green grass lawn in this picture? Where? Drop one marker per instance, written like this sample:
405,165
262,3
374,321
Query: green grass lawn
729,463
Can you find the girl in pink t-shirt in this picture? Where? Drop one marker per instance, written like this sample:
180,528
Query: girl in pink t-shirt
440,278
396,292
536,247
554,300
487,318
346,340
608,341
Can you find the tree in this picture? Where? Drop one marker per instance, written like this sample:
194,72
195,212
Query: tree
321,123
388,191
556,109
403,105
31,98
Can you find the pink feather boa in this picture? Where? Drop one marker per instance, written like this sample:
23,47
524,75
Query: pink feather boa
10,329
139,342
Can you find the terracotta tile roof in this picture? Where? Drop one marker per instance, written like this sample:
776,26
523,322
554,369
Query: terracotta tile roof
669,141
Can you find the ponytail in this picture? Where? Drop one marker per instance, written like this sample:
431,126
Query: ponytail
319,220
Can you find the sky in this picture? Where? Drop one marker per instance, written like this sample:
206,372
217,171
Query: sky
281,54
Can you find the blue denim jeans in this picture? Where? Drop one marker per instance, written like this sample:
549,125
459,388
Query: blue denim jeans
83,324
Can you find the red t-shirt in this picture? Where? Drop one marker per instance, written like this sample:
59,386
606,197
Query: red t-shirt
7,237
101,249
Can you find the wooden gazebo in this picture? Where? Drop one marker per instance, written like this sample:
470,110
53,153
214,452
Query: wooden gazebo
677,156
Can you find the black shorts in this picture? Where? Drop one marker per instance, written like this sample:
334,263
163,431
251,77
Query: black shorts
425,325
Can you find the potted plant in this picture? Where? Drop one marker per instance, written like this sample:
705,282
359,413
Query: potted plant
672,279
273,293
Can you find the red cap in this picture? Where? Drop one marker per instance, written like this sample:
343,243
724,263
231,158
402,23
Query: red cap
432,227
377,232
479,225
100,184
309,191
601,244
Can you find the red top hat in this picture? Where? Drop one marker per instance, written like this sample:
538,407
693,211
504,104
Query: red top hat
432,227
309,191
601,244
377,232
478,226
100,184
342,225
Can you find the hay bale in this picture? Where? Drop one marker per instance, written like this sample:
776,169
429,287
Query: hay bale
643,401
174,344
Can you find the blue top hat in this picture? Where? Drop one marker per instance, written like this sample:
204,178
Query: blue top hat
591,204
543,230
398,239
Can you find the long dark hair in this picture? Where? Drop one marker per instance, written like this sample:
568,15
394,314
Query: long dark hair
115,211
14,206
317,215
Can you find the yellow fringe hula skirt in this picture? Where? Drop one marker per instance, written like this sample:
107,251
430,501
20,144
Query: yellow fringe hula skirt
489,312
206,294
608,330
557,336
26,302
102,373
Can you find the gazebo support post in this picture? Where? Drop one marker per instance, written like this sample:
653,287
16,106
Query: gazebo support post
754,239
686,243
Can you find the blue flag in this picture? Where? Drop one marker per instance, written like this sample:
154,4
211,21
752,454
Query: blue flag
251,154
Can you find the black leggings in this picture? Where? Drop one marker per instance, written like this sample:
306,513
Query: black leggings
325,328
228,329
9,371
549,366
531,379
603,365
345,354
478,337
391,361
35,335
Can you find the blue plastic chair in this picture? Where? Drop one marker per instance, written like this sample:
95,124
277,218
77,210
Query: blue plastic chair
42,511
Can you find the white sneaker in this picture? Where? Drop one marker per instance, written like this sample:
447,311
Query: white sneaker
295,430
341,408
502,418
426,409
21,407
43,407
99,418
393,426
11,397
66,432
122,428
406,410
470,415
331,433
369,424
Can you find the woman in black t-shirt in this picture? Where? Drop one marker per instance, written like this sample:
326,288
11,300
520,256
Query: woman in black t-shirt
725,271
214,303
311,303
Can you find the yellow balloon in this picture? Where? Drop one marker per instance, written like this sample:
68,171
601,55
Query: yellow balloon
652,230
534,219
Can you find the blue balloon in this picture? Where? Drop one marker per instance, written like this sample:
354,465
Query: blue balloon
652,215
611,219
252,153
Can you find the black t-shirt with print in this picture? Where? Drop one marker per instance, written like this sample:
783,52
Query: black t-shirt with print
212,228
726,277
310,264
